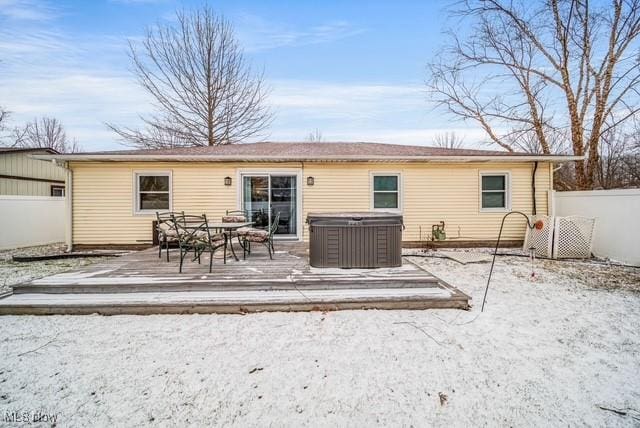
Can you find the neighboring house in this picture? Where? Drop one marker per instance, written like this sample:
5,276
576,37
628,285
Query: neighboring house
22,175
114,195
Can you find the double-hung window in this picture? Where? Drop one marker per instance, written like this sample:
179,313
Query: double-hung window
494,191
386,191
153,192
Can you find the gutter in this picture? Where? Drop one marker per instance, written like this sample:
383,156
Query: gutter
39,180
282,159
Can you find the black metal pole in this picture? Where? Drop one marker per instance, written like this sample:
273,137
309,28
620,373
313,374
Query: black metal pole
495,252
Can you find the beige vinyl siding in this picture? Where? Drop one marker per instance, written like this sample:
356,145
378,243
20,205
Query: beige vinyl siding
21,165
431,193
103,195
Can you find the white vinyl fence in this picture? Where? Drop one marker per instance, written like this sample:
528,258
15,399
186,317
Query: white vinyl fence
617,214
31,220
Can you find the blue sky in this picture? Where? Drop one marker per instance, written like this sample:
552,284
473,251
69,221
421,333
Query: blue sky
354,70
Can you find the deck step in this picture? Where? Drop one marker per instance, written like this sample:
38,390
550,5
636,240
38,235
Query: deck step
239,301
177,284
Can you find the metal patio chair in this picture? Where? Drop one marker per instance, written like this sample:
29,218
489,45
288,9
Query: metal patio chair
260,236
236,216
166,230
194,235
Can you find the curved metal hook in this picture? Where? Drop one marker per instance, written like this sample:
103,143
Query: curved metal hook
529,225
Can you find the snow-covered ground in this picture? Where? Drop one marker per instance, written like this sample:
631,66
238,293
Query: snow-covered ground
12,273
550,352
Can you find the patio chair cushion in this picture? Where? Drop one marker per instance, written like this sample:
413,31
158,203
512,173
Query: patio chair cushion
171,236
170,233
242,230
218,243
166,232
217,237
202,234
233,219
256,235
256,238
167,229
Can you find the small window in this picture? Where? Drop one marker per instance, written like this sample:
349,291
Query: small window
57,191
494,192
386,193
153,192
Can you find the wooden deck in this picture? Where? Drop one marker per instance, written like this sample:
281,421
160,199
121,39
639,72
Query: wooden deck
141,283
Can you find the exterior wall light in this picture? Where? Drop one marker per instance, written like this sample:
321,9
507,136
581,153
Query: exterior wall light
227,181
310,181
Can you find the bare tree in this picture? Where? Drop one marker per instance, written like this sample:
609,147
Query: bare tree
542,72
618,161
448,140
45,132
4,115
315,136
205,91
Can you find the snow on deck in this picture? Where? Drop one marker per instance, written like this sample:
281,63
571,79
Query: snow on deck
254,284
228,297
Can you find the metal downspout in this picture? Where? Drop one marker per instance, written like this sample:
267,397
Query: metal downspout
533,187
68,192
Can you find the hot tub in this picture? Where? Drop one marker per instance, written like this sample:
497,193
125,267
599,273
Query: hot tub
355,239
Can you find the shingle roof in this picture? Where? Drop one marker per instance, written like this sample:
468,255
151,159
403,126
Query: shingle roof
313,149
298,151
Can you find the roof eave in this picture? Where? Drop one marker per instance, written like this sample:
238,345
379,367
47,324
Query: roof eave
351,158
31,150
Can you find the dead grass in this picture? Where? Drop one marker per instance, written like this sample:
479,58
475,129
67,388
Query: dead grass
597,275
12,273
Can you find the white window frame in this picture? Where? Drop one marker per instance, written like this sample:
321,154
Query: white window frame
136,190
57,187
507,191
297,172
372,190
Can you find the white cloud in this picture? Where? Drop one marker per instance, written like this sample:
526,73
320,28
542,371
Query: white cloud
26,10
82,102
305,94
473,137
81,80
347,101
361,112
138,1
258,34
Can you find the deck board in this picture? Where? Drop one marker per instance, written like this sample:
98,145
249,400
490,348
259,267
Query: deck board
142,283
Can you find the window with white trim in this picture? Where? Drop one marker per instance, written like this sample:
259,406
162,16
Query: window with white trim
386,191
57,191
153,192
494,191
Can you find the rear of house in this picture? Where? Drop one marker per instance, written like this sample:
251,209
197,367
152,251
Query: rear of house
113,196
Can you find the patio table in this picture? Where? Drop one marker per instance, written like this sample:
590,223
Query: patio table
228,227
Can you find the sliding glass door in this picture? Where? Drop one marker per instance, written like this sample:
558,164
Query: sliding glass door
265,195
